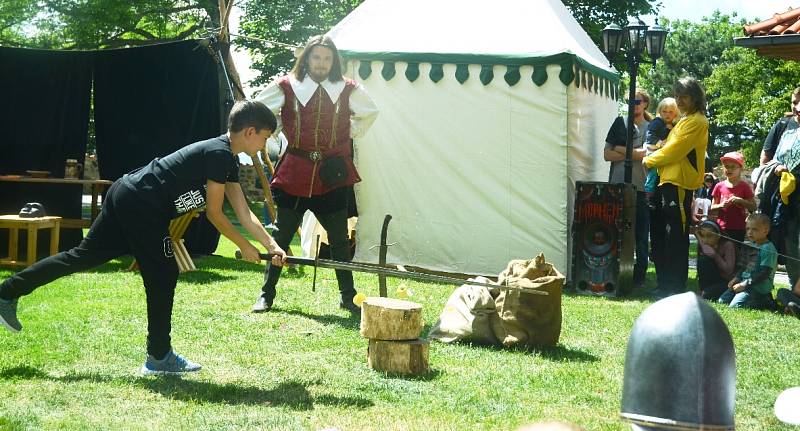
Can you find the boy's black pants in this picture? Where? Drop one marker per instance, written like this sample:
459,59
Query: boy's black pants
126,225
672,268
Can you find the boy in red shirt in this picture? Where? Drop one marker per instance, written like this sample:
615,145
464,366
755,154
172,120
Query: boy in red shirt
733,197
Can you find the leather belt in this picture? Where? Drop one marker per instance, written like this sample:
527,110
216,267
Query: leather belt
314,156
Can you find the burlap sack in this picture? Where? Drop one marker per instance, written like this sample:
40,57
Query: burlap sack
466,316
523,318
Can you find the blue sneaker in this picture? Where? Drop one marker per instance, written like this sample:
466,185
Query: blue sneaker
173,363
8,315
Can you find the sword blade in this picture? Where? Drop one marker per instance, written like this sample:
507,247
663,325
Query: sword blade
391,272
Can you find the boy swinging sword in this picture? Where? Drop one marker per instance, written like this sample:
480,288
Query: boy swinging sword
135,220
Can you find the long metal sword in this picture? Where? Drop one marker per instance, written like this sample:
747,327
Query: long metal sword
382,270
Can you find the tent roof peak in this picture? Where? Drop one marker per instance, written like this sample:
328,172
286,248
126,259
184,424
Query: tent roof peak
499,28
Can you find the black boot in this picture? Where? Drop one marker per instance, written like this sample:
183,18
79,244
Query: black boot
347,304
264,301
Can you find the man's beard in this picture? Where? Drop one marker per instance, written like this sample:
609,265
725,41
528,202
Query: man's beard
318,75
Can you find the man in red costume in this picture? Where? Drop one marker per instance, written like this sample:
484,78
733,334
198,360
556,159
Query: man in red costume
320,111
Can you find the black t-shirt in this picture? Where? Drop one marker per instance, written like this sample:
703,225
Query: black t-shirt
176,183
618,133
775,133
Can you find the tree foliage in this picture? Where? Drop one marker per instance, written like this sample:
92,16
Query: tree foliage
594,15
13,14
751,92
290,22
97,24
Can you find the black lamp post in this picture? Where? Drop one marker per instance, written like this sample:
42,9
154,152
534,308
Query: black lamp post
637,36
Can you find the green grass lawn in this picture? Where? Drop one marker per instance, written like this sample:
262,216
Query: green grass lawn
303,365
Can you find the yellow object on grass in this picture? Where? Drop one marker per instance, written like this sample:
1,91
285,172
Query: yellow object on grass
403,292
359,299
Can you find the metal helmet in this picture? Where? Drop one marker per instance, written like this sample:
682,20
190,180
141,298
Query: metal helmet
680,368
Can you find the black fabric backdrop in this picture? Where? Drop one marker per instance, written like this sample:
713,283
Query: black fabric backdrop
44,116
149,102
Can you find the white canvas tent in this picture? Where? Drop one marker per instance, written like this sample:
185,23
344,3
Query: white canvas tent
490,111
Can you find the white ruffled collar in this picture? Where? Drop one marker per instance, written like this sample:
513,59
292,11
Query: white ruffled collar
306,88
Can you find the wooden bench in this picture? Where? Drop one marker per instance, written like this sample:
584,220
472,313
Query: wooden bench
14,223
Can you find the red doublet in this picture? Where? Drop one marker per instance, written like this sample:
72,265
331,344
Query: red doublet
321,125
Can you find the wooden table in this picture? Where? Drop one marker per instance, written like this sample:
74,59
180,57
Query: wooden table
97,187
32,225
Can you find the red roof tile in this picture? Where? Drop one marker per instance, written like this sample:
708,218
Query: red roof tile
783,23
793,28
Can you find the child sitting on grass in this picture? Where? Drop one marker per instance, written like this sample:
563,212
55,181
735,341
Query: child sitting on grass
716,260
752,288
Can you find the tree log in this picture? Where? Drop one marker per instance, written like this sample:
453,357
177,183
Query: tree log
401,357
390,319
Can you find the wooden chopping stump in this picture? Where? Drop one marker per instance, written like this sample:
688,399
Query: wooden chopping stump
390,319
401,357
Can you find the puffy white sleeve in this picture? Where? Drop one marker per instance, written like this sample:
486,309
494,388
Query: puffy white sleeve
272,96
364,111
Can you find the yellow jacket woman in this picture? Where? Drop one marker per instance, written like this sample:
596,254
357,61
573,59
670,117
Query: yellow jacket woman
681,165
682,159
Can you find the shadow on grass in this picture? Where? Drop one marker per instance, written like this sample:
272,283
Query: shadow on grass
203,277
192,277
217,261
558,353
351,322
636,294
115,265
292,394
430,375
226,262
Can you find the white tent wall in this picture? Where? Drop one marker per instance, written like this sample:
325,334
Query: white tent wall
590,116
473,175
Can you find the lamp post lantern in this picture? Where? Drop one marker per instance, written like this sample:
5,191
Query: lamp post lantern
637,36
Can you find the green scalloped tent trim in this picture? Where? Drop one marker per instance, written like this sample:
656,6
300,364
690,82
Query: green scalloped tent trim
462,73
567,74
412,71
365,69
565,59
437,72
388,71
597,84
512,75
539,76
487,73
